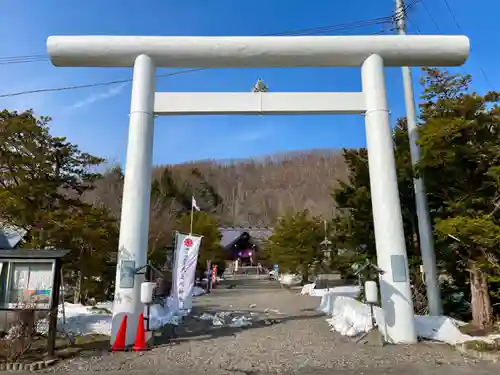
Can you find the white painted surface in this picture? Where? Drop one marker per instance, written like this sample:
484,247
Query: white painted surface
134,224
252,51
147,290
371,292
389,236
202,103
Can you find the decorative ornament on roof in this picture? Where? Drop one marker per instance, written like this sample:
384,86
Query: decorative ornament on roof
260,86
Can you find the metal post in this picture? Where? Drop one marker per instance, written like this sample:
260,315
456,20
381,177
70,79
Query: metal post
54,305
134,222
390,241
426,239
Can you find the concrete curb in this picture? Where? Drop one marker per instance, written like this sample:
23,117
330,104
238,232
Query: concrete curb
485,356
33,366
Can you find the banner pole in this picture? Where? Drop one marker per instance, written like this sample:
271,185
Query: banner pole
191,226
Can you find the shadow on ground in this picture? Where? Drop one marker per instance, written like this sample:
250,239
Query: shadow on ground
195,329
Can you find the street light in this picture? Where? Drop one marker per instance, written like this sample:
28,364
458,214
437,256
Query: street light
326,243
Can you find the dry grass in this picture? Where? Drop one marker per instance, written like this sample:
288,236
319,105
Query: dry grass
64,348
483,346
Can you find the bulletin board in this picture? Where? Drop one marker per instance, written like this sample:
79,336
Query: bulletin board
27,284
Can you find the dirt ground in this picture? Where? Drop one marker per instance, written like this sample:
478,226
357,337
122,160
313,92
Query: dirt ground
286,335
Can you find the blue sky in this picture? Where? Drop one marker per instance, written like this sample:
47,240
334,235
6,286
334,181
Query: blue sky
97,118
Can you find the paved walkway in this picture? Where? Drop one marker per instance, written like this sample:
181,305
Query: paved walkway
287,336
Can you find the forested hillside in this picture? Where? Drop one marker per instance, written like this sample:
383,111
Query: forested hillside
252,192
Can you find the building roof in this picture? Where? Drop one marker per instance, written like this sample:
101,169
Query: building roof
10,235
231,234
32,254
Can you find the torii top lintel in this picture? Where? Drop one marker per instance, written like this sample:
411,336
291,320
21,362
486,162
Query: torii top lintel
244,51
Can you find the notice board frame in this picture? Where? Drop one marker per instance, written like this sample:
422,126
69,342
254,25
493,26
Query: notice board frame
28,256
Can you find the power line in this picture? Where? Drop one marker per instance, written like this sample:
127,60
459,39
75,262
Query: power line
439,30
23,61
7,60
109,83
309,31
376,21
436,25
453,15
99,84
481,69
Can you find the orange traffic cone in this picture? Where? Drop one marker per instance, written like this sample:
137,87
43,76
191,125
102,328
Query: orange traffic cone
140,337
119,344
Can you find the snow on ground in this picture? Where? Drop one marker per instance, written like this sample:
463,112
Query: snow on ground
289,279
350,317
346,290
83,320
197,291
225,319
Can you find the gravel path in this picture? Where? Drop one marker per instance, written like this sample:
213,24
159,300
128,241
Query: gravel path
287,336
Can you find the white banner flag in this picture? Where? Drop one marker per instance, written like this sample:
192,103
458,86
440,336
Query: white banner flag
194,204
183,276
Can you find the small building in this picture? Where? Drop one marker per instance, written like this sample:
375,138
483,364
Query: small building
244,243
10,236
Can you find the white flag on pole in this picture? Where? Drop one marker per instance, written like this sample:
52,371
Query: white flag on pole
195,206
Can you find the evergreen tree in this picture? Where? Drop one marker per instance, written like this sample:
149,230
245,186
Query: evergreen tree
460,144
460,161
295,243
40,175
42,181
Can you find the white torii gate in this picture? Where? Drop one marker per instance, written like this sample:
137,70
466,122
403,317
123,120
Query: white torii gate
371,53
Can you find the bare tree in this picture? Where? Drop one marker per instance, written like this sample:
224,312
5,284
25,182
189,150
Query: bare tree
252,191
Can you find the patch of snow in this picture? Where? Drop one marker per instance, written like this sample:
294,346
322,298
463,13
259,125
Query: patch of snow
225,319
162,315
307,289
84,320
350,317
197,291
290,279
240,321
218,321
205,316
346,290
274,311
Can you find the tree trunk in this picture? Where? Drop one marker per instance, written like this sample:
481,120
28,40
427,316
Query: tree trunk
77,296
480,299
415,237
305,275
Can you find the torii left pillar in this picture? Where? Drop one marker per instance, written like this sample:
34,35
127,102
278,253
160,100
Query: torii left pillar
134,224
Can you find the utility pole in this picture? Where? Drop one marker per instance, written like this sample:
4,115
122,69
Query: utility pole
424,221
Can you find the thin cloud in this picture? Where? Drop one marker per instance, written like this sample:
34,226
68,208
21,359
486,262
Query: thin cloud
266,128
109,93
253,135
